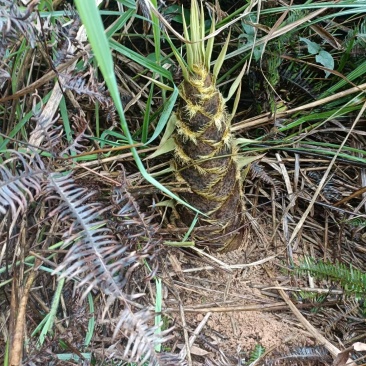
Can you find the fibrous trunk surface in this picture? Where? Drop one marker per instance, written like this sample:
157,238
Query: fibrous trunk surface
206,160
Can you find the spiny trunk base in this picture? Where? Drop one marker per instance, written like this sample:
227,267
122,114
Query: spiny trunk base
206,161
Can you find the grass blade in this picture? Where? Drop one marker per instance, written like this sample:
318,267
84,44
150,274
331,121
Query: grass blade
92,21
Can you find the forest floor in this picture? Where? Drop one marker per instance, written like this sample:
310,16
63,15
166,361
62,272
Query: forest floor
90,260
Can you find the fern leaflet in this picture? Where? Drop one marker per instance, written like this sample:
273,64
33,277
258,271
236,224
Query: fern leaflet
21,178
95,253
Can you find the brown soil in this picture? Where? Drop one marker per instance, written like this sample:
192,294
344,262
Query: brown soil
235,333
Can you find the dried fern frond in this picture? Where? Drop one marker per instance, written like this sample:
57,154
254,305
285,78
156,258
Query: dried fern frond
257,171
142,340
85,85
130,219
136,340
96,256
46,129
66,35
21,179
221,360
330,192
14,22
80,136
300,356
298,79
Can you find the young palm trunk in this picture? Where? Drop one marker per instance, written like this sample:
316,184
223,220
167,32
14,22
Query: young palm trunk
206,160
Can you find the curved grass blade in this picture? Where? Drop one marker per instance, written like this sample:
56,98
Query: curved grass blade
168,108
92,21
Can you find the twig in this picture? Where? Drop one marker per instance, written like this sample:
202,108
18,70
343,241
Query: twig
234,266
196,332
17,338
321,339
302,289
186,351
265,118
253,307
323,180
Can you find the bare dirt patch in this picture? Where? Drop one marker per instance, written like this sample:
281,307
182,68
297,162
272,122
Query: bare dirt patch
239,313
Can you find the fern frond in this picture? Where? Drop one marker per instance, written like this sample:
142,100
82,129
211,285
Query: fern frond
91,88
98,259
222,360
300,356
66,35
258,351
13,23
258,171
352,280
77,146
142,340
299,80
358,221
131,220
330,192
46,130
21,178
95,255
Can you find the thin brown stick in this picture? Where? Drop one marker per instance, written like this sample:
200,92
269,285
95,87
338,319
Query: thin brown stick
269,118
353,195
320,338
17,339
41,81
186,351
196,332
277,306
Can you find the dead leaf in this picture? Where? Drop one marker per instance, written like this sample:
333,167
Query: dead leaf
358,346
342,358
195,350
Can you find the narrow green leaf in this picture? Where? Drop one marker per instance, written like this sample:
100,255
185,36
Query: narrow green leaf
141,60
156,30
168,146
221,58
188,233
158,308
91,323
168,108
354,74
209,46
182,63
202,35
159,83
189,46
120,22
245,160
236,83
146,122
53,310
195,32
236,101
91,19
66,121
